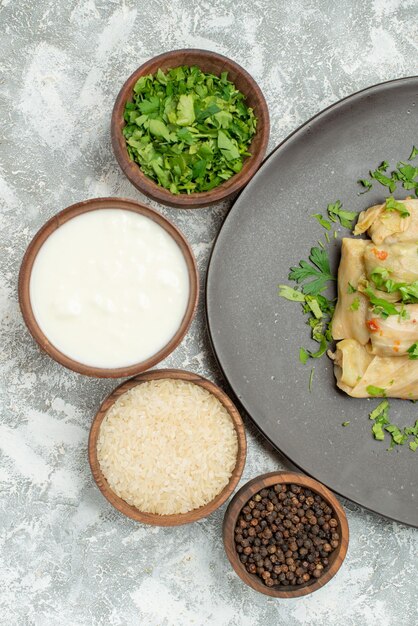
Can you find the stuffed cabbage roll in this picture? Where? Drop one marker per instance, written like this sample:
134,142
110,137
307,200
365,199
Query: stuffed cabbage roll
395,334
399,259
389,377
387,226
358,372
351,361
349,320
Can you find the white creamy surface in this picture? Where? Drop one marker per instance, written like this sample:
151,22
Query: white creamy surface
109,288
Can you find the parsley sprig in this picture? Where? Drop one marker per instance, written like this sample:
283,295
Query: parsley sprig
312,278
318,270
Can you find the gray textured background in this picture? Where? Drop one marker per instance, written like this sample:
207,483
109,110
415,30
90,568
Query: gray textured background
66,556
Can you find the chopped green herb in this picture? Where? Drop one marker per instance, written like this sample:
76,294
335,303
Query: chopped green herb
413,154
403,313
321,350
378,432
380,416
346,217
319,271
413,351
379,275
404,173
365,183
384,180
412,430
345,424
355,304
382,424
375,391
381,307
397,435
409,292
291,294
189,131
324,223
379,410
393,205
327,237
303,355
314,306
383,166
311,379
350,288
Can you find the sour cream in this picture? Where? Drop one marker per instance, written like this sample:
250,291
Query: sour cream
109,288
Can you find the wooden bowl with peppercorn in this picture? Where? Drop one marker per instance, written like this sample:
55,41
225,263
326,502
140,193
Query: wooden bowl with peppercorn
285,534
190,128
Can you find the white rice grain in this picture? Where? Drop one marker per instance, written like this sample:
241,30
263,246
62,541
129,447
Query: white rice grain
167,446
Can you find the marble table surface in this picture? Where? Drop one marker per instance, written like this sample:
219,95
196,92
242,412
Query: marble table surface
68,558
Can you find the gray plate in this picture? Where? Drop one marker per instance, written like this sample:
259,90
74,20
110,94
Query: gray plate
256,335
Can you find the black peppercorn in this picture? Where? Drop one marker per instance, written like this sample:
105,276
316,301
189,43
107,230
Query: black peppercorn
285,535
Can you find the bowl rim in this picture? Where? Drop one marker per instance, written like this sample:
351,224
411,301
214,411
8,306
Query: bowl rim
241,498
53,224
155,519
133,171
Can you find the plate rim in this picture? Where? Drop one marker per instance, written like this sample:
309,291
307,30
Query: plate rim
334,106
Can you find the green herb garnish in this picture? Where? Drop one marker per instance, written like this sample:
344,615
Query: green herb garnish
312,303
350,288
365,183
413,351
380,306
303,355
394,205
413,154
375,391
311,379
399,436
291,294
379,275
380,415
346,217
345,423
319,308
409,292
384,180
355,304
189,131
318,270
324,223
404,173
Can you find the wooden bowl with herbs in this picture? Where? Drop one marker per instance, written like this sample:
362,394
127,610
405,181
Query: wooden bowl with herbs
167,447
285,534
190,128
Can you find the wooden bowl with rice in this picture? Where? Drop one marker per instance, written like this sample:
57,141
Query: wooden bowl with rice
167,447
